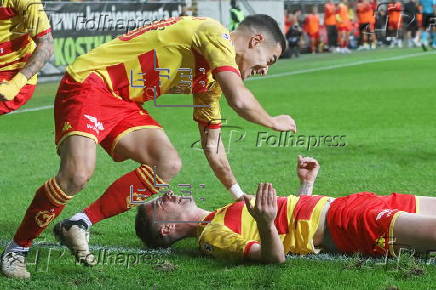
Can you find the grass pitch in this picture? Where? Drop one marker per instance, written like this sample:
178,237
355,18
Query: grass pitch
381,101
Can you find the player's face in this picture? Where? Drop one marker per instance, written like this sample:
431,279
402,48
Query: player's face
258,58
172,207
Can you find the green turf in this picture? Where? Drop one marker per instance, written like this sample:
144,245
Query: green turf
384,109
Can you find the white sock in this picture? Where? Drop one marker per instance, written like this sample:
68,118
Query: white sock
82,216
14,247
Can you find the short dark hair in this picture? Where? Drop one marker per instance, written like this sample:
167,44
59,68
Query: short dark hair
266,23
144,228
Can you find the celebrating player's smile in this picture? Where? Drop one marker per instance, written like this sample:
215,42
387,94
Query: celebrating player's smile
99,102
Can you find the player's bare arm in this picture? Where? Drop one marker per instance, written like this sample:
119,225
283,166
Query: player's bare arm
40,56
245,104
270,250
307,171
215,153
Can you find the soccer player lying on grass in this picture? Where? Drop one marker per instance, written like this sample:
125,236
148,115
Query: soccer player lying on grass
99,102
268,227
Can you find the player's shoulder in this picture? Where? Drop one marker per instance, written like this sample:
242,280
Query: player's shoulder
210,25
21,5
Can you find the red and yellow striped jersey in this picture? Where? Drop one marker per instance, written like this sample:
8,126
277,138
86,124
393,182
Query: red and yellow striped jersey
231,230
21,21
175,56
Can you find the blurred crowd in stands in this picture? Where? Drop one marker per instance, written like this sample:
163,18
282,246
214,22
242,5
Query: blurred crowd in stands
363,24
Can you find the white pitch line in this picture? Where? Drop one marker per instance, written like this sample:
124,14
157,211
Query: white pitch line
54,245
31,110
331,67
284,74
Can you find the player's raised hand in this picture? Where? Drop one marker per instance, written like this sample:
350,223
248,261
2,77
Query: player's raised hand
307,169
265,209
284,123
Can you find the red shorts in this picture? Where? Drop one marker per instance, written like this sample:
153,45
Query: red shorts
394,26
363,222
343,28
89,109
23,96
314,35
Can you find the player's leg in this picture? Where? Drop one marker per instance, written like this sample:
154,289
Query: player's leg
426,205
415,231
139,138
77,165
150,146
160,163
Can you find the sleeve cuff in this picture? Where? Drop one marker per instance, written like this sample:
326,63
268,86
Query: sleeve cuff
226,68
208,124
248,247
42,33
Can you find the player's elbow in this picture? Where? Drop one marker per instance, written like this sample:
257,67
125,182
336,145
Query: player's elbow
239,101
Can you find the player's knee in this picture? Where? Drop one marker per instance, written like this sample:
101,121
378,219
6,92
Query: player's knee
170,166
74,182
173,166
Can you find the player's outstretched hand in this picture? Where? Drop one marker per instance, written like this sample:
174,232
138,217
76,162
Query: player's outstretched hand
307,169
284,123
265,209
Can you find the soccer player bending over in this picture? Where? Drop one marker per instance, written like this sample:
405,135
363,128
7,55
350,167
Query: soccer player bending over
99,102
268,227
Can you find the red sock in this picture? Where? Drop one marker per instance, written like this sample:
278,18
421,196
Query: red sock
126,192
47,204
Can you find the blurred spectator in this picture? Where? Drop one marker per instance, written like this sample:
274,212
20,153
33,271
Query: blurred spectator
380,27
289,20
293,36
330,24
428,23
364,14
311,27
394,23
410,23
343,26
236,15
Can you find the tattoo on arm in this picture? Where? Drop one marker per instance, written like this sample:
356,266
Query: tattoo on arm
40,56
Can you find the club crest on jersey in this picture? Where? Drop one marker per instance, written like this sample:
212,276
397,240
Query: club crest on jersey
43,218
97,126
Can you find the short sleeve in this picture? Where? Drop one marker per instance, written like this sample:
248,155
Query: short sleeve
221,242
209,114
34,16
213,42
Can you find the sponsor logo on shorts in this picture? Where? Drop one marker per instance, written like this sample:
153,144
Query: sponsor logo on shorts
67,126
387,212
97,126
